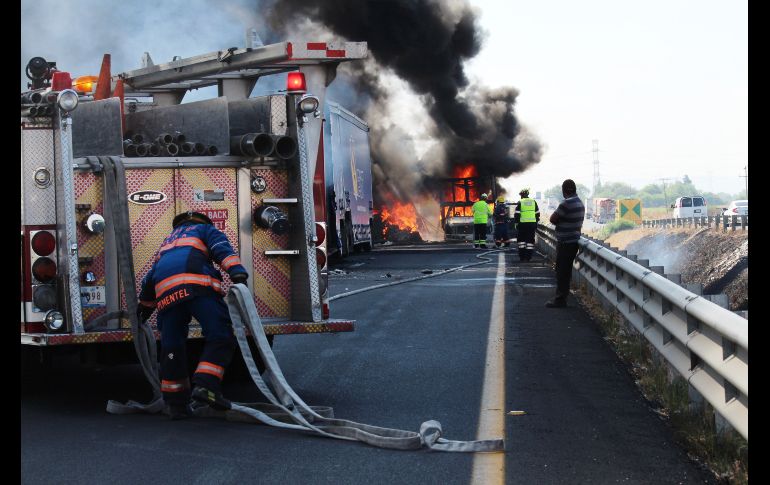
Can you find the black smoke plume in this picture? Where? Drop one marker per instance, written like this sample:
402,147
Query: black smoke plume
425,43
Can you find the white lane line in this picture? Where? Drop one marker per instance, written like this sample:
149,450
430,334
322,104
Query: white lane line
489,468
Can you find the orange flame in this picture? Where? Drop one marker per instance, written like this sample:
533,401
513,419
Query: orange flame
457,192
401,214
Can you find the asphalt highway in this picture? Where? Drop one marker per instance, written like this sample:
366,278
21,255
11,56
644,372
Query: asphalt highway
419,352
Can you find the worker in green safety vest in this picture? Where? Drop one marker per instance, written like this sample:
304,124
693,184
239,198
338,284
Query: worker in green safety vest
526,217
481,213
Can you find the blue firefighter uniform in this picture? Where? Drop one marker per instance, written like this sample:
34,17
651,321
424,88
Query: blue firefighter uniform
183,283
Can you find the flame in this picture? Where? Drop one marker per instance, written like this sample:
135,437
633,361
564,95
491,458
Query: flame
457,191
401,214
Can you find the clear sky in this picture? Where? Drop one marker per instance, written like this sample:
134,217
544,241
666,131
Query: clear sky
662,85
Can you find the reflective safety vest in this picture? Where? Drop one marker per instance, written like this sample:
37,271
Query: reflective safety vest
527,210
183,267
481,212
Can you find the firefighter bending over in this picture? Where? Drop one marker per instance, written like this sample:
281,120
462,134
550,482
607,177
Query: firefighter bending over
181,284
481,213
526,216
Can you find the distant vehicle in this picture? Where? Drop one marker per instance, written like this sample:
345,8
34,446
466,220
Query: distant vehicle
737,208
604,210
694,206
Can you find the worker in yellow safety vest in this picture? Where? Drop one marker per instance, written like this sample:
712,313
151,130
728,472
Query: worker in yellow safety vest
526,216
481,213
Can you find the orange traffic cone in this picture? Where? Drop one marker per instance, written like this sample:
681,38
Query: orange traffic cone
104,84
118,93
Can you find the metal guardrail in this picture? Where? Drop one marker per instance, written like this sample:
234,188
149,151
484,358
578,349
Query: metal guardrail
718,222
707,344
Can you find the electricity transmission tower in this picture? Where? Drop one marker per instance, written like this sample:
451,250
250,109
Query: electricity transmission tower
746,177
665,197
597,182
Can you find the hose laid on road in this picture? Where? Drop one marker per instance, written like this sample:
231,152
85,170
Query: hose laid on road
286,403
383,285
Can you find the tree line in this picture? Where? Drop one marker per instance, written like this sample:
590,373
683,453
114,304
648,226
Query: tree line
652,195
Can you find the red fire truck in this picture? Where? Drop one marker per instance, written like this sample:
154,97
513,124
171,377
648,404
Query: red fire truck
254,165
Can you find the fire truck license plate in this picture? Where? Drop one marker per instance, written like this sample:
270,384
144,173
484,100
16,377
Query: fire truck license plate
92,296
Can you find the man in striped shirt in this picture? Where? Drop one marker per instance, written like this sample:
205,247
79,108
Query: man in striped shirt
181,284
568,219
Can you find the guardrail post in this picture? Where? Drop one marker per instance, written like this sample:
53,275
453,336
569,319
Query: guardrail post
733,223
722,426
675,277
696,288
720,299
744,222
725,222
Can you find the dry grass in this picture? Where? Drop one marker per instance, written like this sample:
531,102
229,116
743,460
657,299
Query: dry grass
725,454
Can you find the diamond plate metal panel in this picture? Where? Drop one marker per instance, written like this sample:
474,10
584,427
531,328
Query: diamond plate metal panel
65,215
188,181
150,224
278,116
272,275
308,228
89,189
37,151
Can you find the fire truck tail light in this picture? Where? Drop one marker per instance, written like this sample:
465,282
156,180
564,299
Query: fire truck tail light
43,243
320,255
320,234
44,270
295,82
54,321
44,297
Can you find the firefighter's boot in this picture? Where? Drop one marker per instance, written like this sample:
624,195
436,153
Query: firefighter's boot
174,384
207,380
215,399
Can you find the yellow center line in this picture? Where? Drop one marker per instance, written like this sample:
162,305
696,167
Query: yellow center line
489,468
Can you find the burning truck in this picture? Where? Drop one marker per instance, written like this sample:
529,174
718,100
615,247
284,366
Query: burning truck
108,162
458,194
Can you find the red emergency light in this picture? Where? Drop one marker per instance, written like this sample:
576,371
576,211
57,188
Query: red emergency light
295,82
61,80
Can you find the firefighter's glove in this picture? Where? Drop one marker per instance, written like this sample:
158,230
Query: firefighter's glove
239,278
144,312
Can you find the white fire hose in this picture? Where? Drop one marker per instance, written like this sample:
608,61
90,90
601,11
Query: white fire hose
286,403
